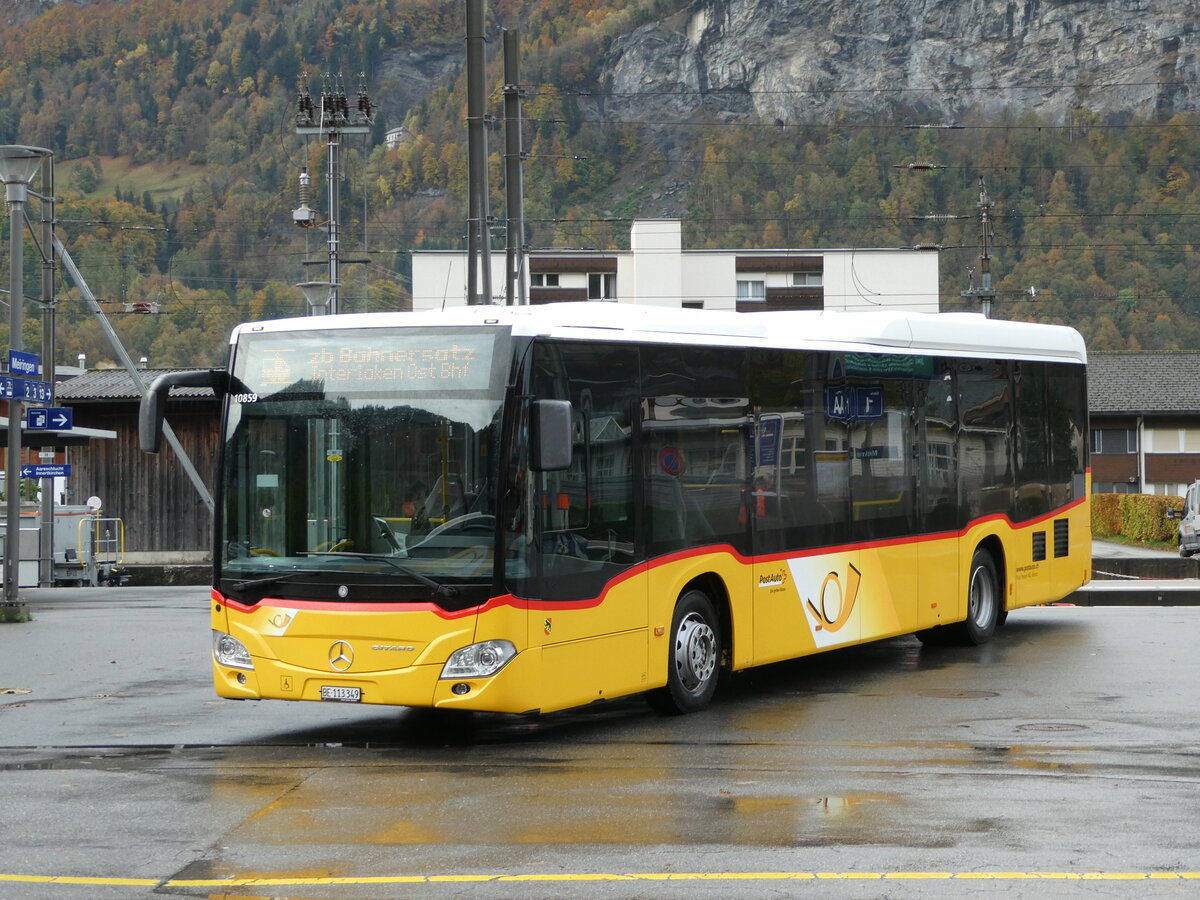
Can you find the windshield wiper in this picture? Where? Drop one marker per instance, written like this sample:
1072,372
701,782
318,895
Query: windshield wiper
263,582
440,591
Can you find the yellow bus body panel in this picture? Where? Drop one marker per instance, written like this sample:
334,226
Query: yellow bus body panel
569,654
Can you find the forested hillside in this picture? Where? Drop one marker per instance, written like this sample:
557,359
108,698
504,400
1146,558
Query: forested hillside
177,159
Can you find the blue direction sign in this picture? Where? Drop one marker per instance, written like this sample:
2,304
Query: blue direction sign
60,471
34,391
24,389
49,418
23,365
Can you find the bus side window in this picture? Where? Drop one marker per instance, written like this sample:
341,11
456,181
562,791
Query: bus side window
697,446
985,437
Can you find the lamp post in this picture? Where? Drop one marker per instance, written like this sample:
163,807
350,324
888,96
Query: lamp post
321,295
18,165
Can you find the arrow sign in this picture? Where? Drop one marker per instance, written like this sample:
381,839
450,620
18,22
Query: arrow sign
25,389
61,471
49,418
34,391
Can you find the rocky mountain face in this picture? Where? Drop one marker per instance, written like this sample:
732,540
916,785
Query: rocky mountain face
14,12
930,60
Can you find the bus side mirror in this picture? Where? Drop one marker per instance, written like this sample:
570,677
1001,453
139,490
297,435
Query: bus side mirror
551,434
154,404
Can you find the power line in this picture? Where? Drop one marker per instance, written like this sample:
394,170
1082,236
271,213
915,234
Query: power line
780,124
556,90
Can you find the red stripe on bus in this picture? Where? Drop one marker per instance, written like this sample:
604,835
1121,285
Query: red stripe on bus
632,572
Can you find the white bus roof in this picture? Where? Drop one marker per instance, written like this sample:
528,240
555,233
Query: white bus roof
941,334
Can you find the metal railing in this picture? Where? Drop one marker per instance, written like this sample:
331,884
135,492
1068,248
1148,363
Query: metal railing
101,547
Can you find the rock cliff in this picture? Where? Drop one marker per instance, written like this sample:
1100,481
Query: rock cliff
927,60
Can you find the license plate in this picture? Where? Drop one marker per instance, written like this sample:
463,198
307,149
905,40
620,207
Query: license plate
341,694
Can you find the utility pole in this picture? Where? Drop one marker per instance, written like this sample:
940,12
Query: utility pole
331,120
48,339
479,240
514,178
134,373
18,165
985,293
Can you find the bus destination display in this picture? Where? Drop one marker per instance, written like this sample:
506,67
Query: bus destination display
370,361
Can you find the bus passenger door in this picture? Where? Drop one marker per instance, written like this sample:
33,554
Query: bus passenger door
806,578
587,598
939,512
882,491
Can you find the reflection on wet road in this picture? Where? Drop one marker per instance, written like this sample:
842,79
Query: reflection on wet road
1065,751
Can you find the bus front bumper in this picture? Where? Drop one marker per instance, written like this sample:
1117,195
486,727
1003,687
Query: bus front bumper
509,690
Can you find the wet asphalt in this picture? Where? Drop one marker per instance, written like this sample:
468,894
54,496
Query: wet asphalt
1068,747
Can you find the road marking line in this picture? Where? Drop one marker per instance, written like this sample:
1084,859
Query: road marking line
97,881
81,879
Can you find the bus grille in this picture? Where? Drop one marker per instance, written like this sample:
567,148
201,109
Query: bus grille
1039,546
1062,537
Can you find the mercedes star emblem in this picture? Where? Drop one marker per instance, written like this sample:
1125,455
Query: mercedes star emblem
341,656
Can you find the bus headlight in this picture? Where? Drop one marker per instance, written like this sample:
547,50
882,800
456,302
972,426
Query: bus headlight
229,651
479,660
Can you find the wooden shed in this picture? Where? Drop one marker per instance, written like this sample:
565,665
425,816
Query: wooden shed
166,520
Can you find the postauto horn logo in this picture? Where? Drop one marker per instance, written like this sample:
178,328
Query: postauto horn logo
773,579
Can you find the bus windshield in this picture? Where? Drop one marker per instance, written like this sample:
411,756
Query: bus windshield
359,464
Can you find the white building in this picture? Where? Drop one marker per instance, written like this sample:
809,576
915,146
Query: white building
657,271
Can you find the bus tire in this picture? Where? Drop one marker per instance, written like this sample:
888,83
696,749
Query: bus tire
693,657
983,602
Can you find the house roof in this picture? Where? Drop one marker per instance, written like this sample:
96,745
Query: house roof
1144,383
117,384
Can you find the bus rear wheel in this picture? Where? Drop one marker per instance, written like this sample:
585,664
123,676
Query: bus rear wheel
694,657
984,608
983,602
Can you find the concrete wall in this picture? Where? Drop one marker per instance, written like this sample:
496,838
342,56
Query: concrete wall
869,279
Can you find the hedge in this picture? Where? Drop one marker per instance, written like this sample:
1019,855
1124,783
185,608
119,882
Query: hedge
1138,517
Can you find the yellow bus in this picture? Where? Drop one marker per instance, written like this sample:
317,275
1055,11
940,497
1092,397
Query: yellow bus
525,509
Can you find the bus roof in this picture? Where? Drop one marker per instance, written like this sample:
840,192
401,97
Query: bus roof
884,331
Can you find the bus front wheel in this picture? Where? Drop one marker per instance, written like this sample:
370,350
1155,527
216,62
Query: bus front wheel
693,657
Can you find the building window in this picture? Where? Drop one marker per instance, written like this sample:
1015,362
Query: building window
543,279
751,290
1115,487
602,285
1114,440
807,279
693,304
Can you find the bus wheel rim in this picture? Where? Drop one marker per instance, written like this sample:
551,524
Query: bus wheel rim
982,596
695,653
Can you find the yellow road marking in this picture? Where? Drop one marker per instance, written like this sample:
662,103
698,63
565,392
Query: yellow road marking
81,879
97,881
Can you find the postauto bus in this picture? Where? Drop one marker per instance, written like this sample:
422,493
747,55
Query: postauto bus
533,508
